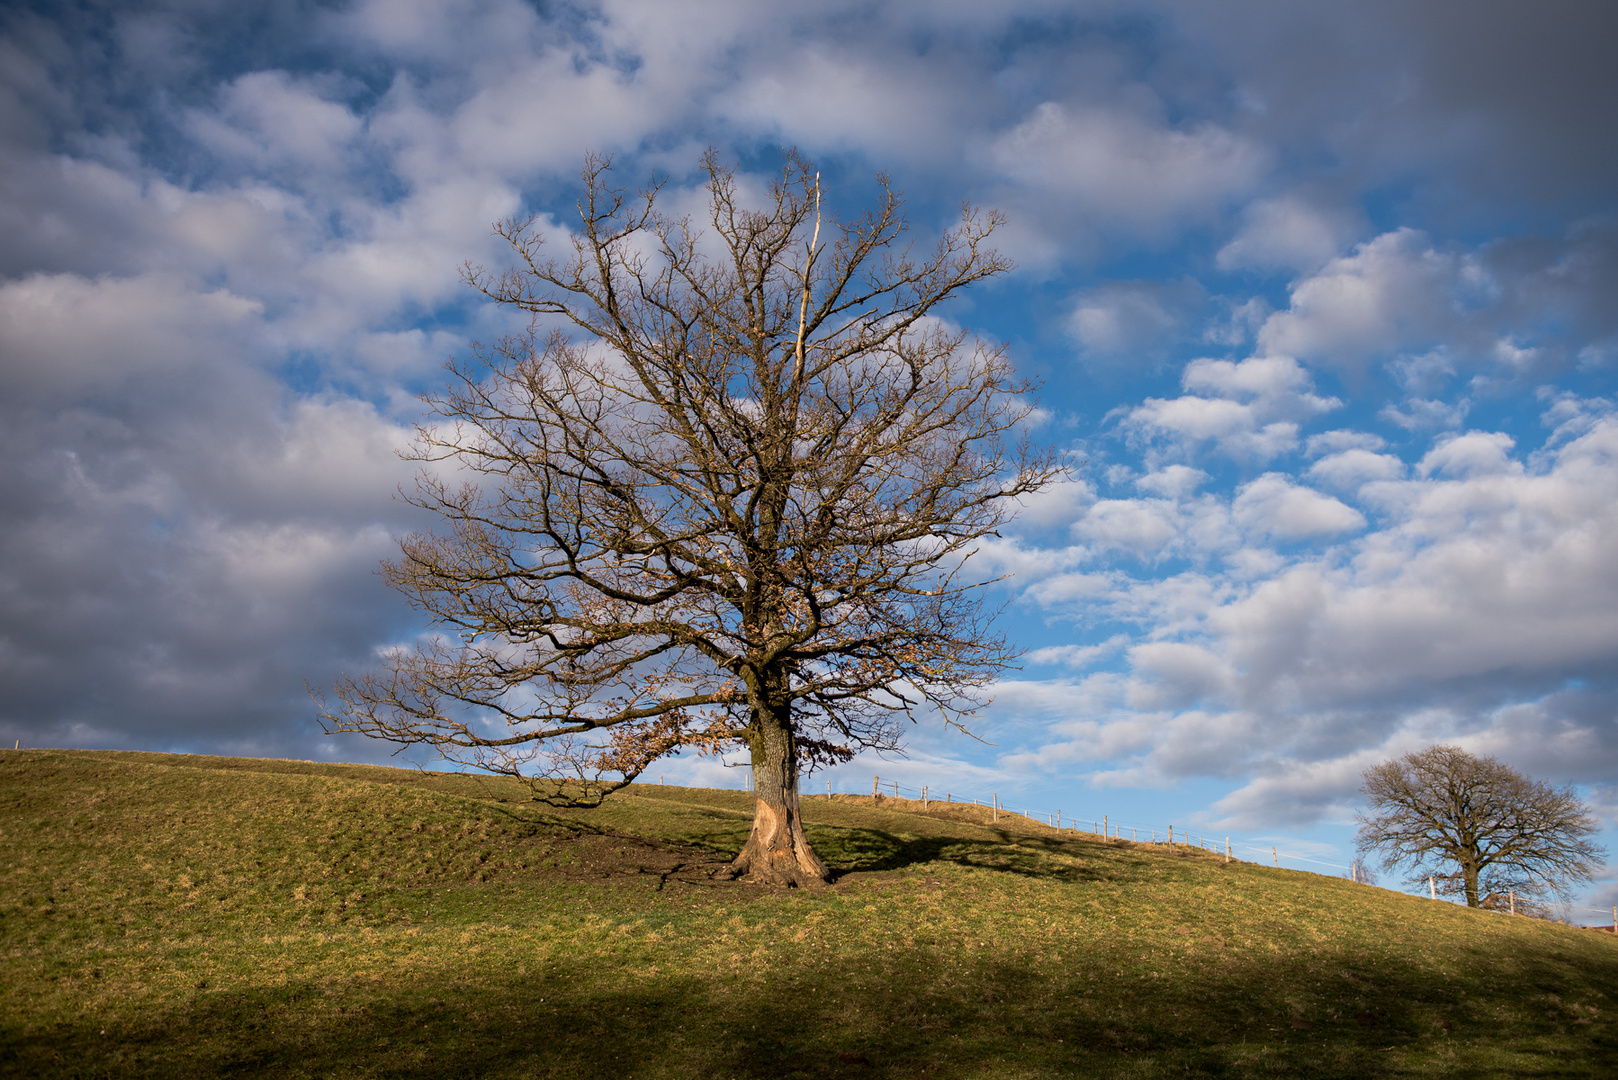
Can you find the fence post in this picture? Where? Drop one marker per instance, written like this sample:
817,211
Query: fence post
1059,819
1171,836
896,789
1512,896
1103,826
924,796
874,781
1227,848
1432,887
1275,857
996,811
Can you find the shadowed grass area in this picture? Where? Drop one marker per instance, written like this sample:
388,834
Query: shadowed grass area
170,915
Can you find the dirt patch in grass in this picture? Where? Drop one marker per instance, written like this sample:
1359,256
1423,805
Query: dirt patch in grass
614,858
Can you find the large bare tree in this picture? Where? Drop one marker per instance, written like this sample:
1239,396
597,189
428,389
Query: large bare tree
1477,825
725,493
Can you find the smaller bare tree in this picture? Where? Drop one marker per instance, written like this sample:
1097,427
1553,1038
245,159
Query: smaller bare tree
1477,826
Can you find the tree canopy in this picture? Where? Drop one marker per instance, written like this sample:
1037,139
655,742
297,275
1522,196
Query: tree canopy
1477,826
725,493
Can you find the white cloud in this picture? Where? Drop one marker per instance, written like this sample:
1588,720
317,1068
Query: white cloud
1349,469
846,97
1254,415
1172,481
1571,415
1060,503
1296,791
1392,293
1286,233
1132,318
1077,656
1477,453
449,32
270,120
64,334
1278,384
1175,675
1426,414
1274,506
1331,442
1140,526
1125,168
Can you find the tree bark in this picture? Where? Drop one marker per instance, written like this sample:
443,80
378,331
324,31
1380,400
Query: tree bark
777,851
1469,873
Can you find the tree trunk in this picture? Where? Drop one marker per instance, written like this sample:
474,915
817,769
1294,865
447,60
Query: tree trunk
1469,873
777,851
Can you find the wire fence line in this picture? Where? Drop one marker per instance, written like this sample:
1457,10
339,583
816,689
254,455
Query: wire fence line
1120,829
1088,821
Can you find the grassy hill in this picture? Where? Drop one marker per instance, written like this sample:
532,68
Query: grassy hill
172,915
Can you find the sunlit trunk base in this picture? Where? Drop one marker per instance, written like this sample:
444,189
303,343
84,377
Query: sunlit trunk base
777,851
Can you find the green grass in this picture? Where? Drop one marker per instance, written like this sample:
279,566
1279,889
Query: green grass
165,915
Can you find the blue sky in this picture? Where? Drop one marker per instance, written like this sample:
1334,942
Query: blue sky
1322,299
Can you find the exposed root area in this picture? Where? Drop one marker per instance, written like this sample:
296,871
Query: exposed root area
782,869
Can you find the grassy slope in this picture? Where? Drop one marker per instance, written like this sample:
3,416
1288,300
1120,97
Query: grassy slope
171,915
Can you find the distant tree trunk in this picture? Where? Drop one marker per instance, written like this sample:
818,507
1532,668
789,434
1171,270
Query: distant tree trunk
1469,872
777,851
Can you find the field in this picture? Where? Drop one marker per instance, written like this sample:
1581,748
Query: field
166,915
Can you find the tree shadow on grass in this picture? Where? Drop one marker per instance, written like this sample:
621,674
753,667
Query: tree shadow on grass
855,850
879,1014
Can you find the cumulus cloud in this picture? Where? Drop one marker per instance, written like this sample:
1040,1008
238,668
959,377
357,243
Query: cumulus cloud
1173,481
1511,310
195,569
1485,587
1275,507
1393,293
1132,318
1329,442
65,334
1126,166
270,121
1477,453
1286,233
1349,469
1426,414
1249,410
